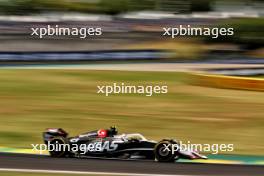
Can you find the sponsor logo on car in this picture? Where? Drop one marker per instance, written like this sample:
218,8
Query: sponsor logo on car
101,146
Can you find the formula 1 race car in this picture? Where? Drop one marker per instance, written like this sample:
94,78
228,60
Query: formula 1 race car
107,143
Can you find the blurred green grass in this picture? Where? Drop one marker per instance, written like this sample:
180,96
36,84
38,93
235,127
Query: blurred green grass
32,100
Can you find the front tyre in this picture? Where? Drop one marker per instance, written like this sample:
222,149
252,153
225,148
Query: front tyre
164,151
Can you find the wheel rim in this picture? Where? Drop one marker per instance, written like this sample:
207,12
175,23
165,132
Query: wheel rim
163,151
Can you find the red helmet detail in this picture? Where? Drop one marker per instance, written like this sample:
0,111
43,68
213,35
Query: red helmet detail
102,133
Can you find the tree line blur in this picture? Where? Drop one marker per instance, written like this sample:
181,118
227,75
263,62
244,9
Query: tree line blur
121,6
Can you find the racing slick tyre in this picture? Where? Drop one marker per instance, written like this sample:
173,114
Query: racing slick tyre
164,151
60,147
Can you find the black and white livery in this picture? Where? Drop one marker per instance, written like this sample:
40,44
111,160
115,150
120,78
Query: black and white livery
107,143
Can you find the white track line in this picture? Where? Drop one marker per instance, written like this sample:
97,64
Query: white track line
81,172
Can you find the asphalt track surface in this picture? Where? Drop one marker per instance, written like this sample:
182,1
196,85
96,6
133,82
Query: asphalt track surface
41,162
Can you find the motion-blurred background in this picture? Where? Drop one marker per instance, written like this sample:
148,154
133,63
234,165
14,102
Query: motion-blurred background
127,22
195,109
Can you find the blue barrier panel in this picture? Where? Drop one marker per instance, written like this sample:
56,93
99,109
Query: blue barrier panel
85,55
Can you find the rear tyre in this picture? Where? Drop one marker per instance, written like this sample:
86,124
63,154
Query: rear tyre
60,147
164,151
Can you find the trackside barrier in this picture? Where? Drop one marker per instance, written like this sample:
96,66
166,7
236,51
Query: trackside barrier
229,82
84,55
